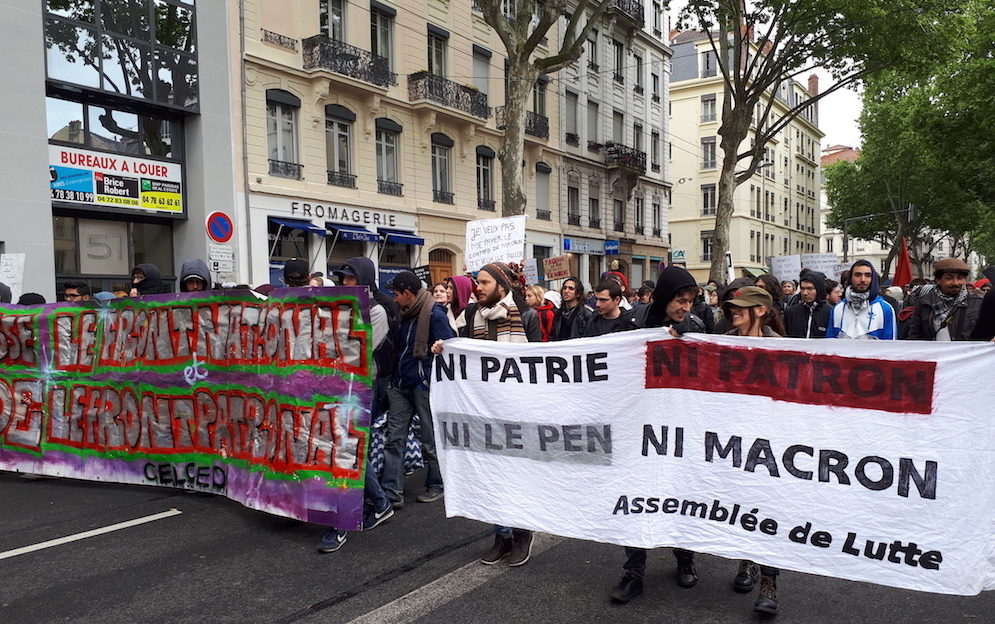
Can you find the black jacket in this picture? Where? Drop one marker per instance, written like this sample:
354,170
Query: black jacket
961,321
807,321
570,322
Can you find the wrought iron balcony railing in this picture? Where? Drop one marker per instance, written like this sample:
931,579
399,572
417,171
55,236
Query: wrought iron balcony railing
285,169
277,39
535,124
426,86
573,139
320,52
619,226
390,188
619,155
486,204
340,178
632,9
594,222
657,232
573,219
544,215
442,197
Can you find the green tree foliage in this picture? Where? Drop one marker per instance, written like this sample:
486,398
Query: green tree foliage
764,43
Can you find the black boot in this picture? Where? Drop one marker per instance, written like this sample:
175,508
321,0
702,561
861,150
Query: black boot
747,576
521,548
628,588
500,550
686,575
767,600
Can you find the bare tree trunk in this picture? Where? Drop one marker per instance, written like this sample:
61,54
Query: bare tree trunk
512,152
735,127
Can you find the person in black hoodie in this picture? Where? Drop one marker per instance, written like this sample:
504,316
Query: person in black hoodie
673,297
5,294
808,318
146,279
194,276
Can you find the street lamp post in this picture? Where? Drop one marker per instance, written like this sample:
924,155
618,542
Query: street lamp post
912,211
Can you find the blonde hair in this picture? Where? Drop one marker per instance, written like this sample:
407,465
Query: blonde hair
538,292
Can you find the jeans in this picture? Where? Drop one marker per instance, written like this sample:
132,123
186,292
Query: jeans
503,531
635,559
372,490
404,404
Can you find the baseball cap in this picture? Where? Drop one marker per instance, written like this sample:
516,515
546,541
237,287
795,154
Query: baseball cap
750,296
405,280
345,269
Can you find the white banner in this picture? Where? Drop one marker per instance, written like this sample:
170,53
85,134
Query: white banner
786,267
858,460
494,240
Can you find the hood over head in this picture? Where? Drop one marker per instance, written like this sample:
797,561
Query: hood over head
463,287
194,268
672,280
818,280
5,294
733,286
31,299
363,269
152,284
875,289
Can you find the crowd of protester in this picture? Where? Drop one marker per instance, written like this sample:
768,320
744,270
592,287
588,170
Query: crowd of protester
413,322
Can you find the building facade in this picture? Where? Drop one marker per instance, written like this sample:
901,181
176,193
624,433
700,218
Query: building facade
776,211
129,106
373,129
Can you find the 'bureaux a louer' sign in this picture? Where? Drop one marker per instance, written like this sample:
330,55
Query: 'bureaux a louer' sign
862,460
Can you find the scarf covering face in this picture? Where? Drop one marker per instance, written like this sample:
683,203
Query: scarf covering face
507,319
857,300
943,305
422,310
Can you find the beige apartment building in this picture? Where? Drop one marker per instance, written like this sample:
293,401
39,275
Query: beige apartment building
777,211
372,128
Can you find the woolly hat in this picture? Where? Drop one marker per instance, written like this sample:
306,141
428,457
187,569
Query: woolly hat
554,297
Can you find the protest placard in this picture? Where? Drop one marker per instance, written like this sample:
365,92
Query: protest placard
825,263
531,271
557,267
12,273
494,240
786,267
860,460
263,401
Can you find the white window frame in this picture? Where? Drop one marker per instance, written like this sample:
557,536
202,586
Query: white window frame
441,163
387,139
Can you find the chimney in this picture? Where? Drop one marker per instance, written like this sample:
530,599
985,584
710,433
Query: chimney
813,90
75,134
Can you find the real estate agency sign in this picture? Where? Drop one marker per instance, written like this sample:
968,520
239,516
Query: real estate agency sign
81,176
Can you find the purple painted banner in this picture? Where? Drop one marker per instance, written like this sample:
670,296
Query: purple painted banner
265,400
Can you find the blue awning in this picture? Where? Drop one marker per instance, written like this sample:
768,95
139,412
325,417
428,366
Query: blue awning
306,226
401,236
353,233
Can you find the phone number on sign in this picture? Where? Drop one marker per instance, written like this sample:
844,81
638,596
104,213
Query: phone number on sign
69,195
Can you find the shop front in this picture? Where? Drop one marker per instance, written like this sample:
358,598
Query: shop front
587,259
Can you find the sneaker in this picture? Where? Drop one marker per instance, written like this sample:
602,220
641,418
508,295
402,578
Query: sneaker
396,500
521,548
628,588
747,576
332,541
767,600
375,518
430,495
686,575
500,550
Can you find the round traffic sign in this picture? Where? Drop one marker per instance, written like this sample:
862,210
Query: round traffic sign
220,227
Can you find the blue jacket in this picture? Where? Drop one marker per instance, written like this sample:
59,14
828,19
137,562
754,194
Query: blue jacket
411,371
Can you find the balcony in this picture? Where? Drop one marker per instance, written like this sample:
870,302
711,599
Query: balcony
285,169
426,86
573,219
486,204
655,97
543,215
442,197
657,232
638,89
619,155
573,139
387,187
535,124
631,9
594,146
338,57
594,222
655,167
592,66
340,178
277,39
618,77
619,226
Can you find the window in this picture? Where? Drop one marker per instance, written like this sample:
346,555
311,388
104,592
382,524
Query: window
708,64
331,18
656,218
594,204
618,214
592,50
657,12
619,61
655,148
637,137
618,127
707,245
436,55
441,156
281,132
387,155
481,71
638,66
592,121
539,98
708,197
542,190
338,142
655,84
381,35
708,107
829,245
571,113
708,153
638,208
485,177
573,205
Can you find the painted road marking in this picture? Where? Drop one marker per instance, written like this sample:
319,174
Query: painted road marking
78,536
444,589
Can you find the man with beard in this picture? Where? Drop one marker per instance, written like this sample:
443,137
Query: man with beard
502,315
808,318
945,311
572,317
863,313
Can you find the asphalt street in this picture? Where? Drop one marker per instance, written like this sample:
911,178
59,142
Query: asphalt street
217,561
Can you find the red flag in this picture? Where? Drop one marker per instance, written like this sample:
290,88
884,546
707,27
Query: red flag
903,270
